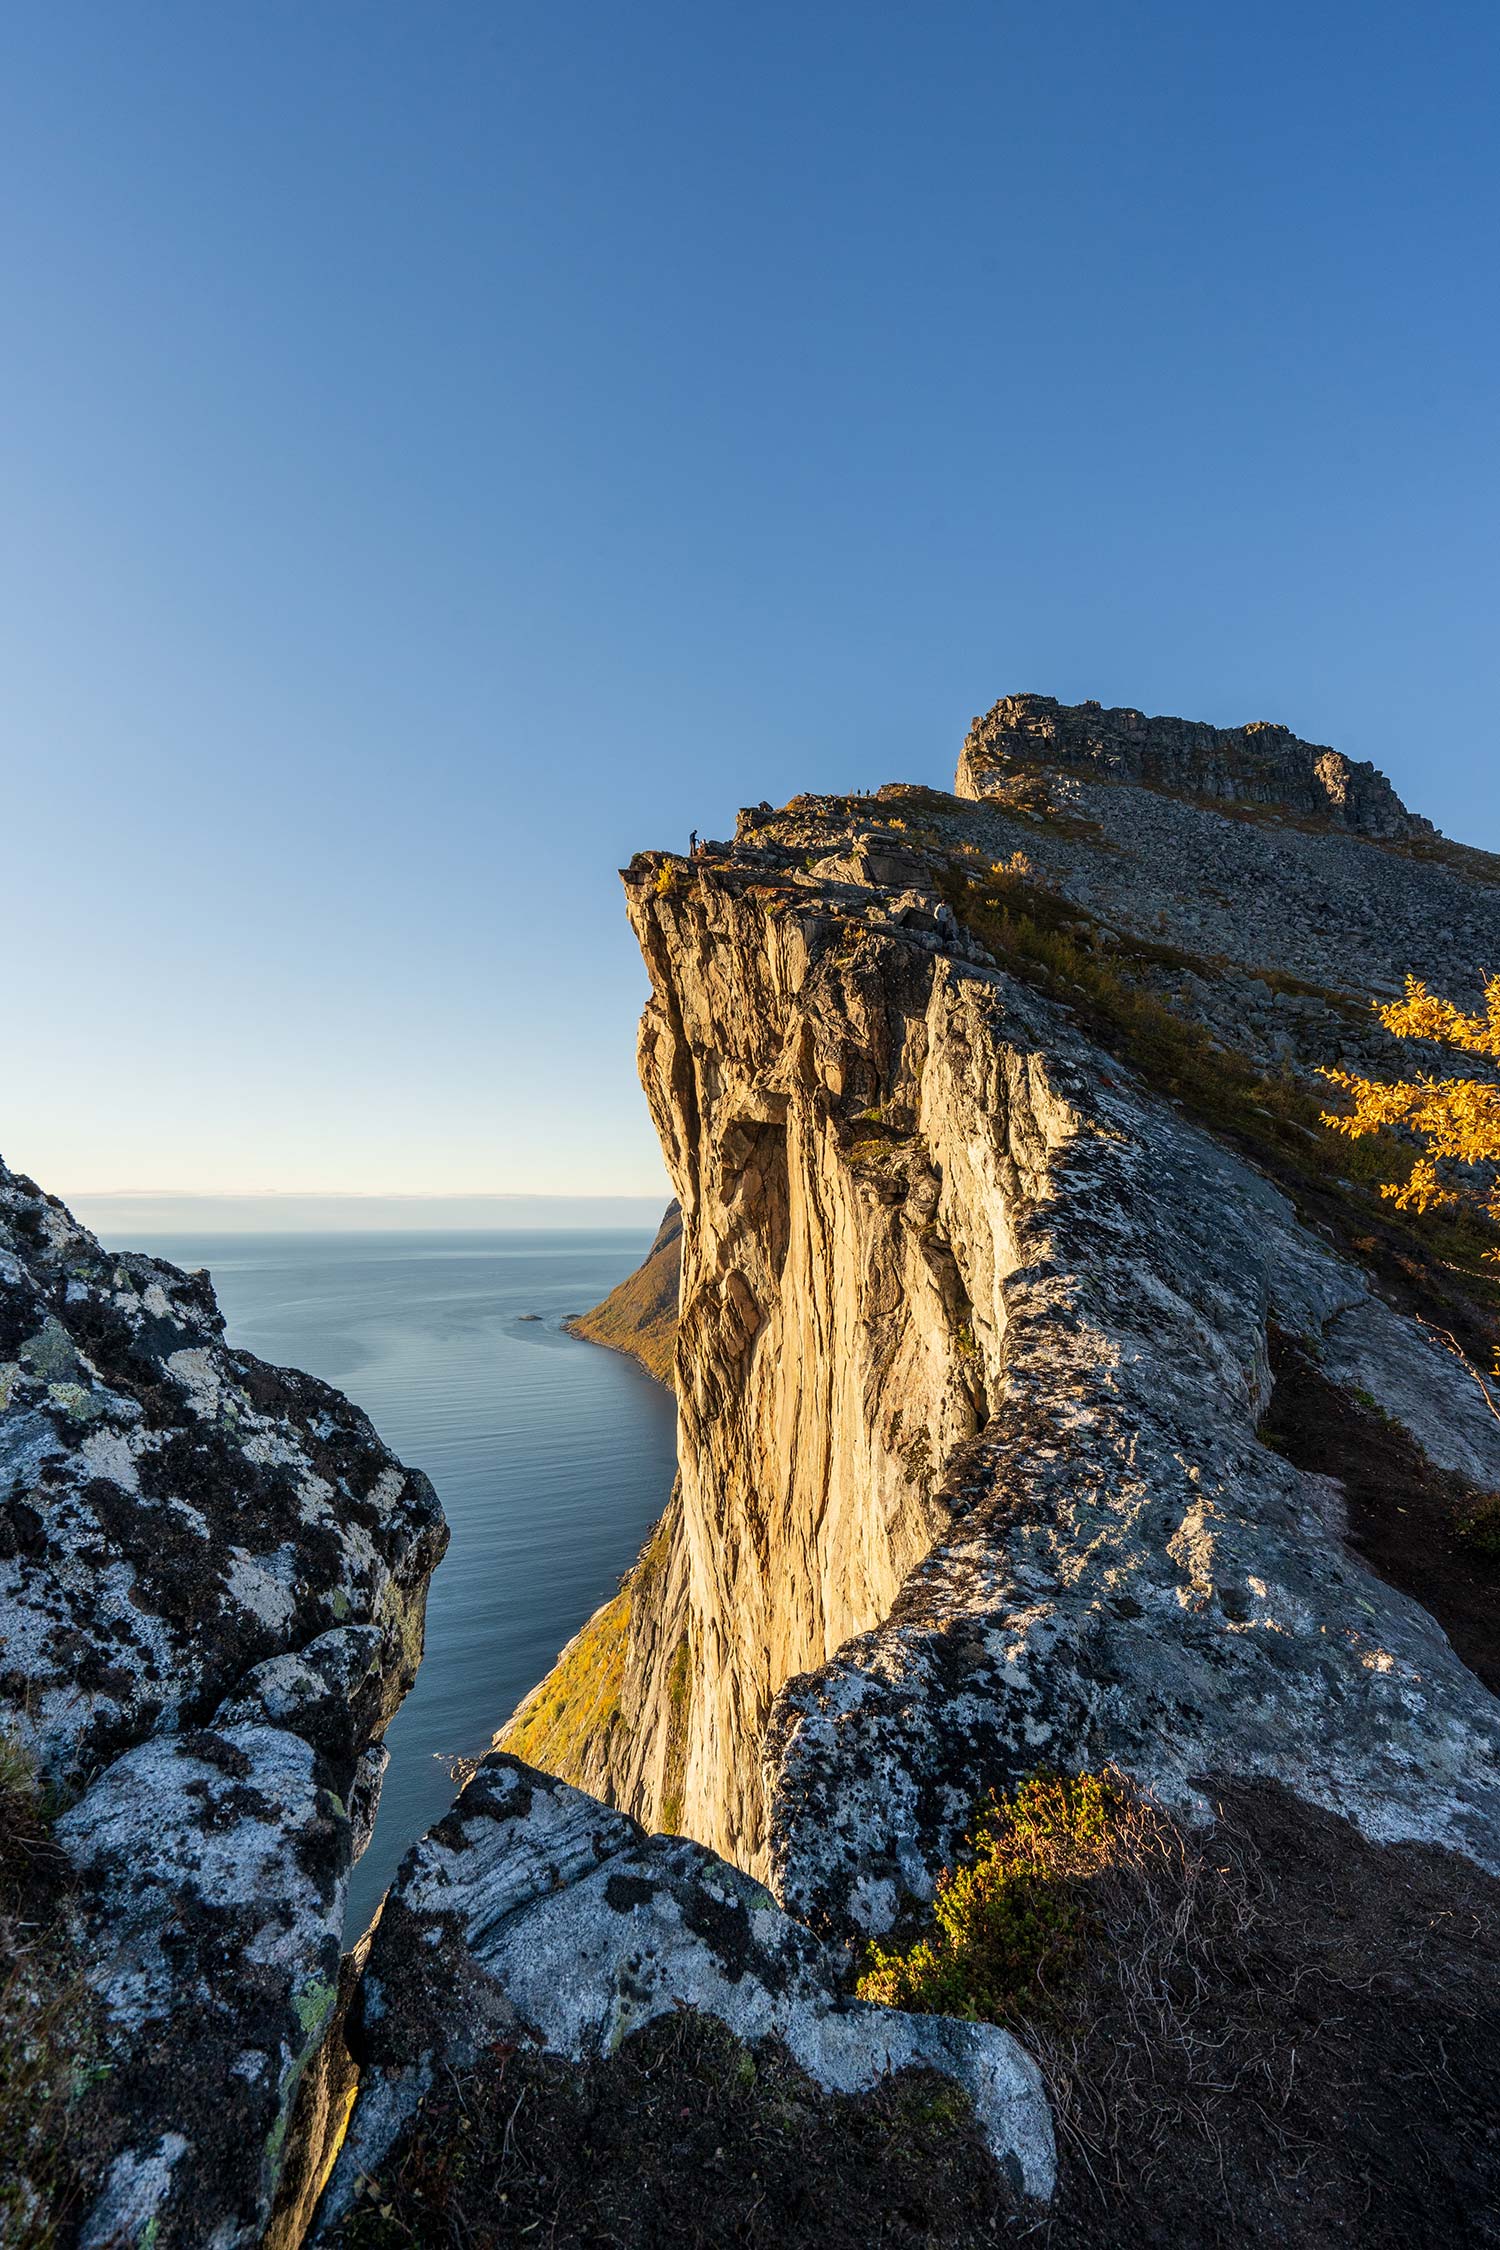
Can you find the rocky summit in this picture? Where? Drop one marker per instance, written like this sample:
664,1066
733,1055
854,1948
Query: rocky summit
1084,1473
1259,764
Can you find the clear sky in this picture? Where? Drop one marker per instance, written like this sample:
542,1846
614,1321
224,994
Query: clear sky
448,447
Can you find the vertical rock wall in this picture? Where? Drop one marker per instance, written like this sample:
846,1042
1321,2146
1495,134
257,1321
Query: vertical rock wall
846,1235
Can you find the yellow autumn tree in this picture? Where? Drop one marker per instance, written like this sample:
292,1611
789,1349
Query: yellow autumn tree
1454,1119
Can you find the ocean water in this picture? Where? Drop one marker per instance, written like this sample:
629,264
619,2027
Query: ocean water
552,1457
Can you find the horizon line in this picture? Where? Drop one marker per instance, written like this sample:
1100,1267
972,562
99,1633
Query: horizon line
367,1195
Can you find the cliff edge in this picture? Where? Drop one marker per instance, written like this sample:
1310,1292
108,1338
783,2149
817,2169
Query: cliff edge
1061,1409
1054,1390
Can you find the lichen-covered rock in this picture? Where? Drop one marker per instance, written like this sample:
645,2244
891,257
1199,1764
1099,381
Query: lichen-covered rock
212,1583
534,1914
1132,1576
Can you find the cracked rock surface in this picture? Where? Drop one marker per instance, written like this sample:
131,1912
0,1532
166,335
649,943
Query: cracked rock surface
1260,764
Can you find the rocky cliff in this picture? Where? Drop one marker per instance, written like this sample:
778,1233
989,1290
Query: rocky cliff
1056,1395
880,1135
1259,764
1022,1292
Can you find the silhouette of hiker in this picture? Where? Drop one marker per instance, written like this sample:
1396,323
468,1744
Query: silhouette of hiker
693,845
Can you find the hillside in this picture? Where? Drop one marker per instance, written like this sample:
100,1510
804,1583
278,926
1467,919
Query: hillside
640,1316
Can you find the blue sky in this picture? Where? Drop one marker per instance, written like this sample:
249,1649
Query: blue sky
447,448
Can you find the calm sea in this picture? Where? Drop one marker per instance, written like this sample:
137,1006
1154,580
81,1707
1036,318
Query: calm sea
552,1457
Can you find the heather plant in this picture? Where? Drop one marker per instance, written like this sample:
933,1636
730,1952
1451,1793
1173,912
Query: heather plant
1446,1255
1010,1921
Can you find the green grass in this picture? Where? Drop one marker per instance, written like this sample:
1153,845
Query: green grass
569,1715
579,1700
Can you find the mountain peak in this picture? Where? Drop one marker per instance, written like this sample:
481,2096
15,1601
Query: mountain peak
1261,763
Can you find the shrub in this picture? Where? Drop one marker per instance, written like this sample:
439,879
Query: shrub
1455,1120
1446,1254
1480,1531
1010,1921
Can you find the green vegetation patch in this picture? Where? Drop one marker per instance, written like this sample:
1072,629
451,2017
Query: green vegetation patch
1010,1922
579,1700
573,1710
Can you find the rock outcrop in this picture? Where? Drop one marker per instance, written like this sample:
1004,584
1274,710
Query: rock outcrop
212,1585
929,1231
533,1915
1259,764
640,1316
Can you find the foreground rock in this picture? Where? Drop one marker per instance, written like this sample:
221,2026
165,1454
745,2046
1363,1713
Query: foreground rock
534,1916
212,1583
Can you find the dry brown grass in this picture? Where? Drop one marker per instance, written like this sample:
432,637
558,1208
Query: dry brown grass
1138,2059
1095,1926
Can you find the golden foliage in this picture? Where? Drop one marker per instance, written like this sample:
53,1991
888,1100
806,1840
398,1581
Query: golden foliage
1456,1120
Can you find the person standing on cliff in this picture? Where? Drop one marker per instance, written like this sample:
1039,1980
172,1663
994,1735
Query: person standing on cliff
693,844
